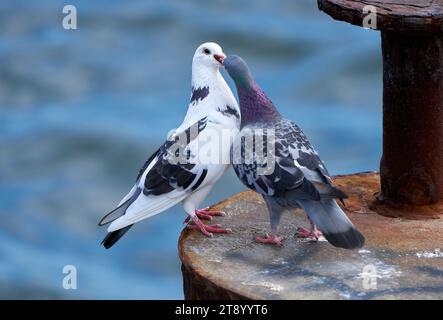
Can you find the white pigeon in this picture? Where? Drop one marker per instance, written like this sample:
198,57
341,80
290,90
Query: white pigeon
185,168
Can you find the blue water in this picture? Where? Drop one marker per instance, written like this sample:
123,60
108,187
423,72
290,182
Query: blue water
81,110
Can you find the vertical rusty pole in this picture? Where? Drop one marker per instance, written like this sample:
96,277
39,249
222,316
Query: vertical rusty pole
411,168
412,163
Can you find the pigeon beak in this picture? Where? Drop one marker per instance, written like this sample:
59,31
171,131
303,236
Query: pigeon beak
219,58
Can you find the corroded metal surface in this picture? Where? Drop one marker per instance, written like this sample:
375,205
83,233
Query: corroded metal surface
412,164
392,15
412,44
407,255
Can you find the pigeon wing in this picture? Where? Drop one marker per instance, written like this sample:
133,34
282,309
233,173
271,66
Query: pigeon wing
169,177
173,168
297,171
308,160
269,170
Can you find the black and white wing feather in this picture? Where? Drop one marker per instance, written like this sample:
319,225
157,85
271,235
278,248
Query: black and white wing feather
165,179
174,168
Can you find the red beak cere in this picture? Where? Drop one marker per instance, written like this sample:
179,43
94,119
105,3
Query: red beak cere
219,58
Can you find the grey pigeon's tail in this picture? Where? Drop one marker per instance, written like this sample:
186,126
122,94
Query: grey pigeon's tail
333,223
112,237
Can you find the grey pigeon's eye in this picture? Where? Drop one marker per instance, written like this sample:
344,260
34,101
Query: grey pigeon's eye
207,51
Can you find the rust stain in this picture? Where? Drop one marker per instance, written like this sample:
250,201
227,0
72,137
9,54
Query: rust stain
385,224
364,193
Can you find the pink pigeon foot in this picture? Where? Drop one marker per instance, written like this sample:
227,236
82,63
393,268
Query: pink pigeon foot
207,230
305,233
212,213
206,214
270,239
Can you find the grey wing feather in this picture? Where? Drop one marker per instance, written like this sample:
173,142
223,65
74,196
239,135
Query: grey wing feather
282,175
314,169
298,170
329,191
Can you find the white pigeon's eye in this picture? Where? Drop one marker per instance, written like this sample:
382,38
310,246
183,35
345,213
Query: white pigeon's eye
207,51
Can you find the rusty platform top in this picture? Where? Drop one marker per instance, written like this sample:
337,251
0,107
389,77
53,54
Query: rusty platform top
392,15
403,257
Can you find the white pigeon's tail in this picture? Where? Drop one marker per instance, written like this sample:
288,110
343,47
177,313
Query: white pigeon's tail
147,206
333,223
132,209
122,207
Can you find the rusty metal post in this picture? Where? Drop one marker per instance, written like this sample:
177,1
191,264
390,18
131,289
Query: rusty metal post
412,164
411,168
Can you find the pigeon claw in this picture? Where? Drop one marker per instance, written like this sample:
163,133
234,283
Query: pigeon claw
206,214
207,230
212,213
270,239
305,233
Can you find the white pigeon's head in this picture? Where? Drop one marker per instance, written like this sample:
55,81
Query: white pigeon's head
209,54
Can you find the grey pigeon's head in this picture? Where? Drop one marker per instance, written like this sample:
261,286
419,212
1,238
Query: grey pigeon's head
238,70
255,106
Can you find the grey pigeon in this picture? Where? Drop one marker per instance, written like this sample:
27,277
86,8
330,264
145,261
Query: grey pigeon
293,174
